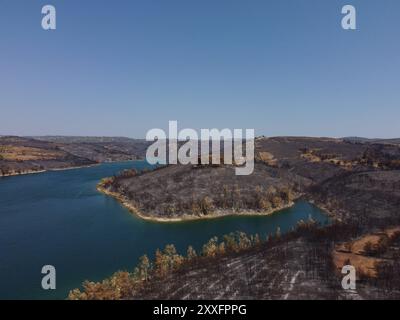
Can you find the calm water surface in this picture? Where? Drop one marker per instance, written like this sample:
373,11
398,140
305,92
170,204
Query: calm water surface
59,218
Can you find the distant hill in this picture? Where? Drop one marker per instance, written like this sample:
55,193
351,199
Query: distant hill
101,149
367,140
85,139
22,155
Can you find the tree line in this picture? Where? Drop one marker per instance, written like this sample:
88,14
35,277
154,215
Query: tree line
122,284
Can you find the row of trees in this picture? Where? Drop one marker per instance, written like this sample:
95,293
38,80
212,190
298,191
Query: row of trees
123,284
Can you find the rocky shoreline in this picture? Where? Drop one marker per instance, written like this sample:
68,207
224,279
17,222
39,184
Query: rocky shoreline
28,172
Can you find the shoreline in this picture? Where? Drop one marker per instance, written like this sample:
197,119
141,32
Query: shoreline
46,170
62,169
22,173
330,212
185,218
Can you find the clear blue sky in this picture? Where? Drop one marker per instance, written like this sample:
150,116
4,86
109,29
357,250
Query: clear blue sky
120,68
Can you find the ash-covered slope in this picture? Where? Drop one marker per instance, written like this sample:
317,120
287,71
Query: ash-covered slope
184,191
349,179
294,269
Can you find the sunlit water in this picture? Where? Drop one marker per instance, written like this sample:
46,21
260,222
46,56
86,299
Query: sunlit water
59,218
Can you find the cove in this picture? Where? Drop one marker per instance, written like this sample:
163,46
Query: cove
59,218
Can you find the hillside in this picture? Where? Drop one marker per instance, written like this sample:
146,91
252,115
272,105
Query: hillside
395,141
356,183
101,149
302,265
202,191
346,179
22,155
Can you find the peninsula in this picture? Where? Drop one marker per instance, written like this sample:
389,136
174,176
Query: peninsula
347,178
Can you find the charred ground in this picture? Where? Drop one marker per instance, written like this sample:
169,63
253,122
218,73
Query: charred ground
356,182
351,180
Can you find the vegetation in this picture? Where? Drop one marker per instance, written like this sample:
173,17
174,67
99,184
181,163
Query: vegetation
229,198
123,284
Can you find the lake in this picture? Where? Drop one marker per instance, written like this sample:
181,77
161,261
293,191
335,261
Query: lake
59,218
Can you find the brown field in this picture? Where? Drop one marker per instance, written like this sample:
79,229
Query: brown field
364,265
21,153
354,252
268,158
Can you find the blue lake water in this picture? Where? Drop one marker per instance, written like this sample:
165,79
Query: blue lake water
59,218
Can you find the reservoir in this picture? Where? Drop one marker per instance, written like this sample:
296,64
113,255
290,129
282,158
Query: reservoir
59,218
